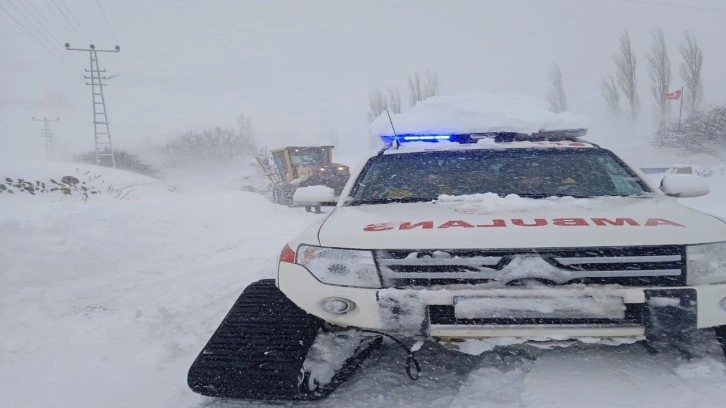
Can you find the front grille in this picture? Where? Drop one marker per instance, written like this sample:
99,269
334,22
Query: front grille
444,314
627,266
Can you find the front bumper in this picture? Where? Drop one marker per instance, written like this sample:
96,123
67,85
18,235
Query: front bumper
651,312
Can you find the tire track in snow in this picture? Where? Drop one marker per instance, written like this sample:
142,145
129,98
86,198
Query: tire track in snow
493,387
605,377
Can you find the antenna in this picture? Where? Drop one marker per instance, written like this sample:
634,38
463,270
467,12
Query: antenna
397,143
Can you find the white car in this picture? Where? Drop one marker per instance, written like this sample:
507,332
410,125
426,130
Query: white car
477,236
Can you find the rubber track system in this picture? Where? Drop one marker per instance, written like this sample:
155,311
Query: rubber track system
721,337
258,350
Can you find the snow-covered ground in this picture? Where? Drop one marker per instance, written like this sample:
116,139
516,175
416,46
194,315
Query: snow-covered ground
106,301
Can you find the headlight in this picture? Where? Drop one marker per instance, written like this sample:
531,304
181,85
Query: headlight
345,267
706,263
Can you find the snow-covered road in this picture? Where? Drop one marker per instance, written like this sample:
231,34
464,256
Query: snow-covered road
105,303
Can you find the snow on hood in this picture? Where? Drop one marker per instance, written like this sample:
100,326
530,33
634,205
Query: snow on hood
477,112
494,204
516,222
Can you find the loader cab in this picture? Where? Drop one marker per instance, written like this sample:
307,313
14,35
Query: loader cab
301,166
302,161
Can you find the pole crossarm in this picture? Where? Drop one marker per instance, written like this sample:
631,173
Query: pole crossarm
91,48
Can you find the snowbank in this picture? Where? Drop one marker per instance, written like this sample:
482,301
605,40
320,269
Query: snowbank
107,302
42,169
477,112
239,174
65,181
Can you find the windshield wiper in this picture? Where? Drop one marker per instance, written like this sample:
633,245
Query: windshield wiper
391,200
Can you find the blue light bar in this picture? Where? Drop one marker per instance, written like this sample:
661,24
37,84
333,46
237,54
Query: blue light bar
497,137
426,137
414,138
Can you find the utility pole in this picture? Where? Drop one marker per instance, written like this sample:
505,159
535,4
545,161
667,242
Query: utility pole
101,130
47,134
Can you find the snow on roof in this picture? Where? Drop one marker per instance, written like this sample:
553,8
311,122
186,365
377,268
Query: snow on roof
476,112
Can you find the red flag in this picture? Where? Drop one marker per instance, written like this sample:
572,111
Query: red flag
674,96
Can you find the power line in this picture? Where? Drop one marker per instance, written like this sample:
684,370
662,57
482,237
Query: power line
106,18
44,26
39,13
677,5
51,21
57,18
67,21
30,24
28,31
68,10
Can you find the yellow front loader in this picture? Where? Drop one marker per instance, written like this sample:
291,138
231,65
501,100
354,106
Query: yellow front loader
291,167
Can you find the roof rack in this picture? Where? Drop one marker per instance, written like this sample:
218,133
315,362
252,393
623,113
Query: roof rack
541,136
573,135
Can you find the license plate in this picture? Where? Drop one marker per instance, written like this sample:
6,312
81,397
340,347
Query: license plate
571,307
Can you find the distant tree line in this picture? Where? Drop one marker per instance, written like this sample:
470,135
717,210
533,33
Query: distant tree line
619,90
207,146
420,88
701,130
125,160
625,79
211,145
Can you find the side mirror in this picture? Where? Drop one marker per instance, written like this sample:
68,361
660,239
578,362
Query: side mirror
684,185
314,195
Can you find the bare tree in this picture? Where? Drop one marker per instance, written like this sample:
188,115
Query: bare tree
431,85
557,96
246,134
626,73
209,146
415,90
394,100
659,70
421,89
611,95
703,132
691,71
377,104
125,160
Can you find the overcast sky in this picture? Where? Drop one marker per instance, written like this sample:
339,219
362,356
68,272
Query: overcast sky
306,67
